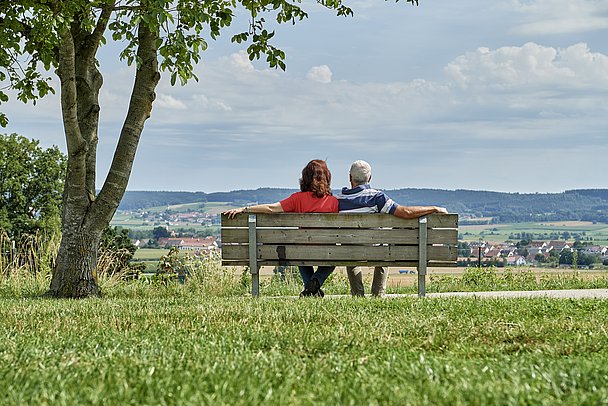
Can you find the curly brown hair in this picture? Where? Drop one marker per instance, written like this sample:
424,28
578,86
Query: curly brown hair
316,178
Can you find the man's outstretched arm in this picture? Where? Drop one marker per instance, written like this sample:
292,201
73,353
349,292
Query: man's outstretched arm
412,212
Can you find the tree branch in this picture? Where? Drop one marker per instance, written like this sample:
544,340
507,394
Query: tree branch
76,145
94,39
140,107
88,84
67,76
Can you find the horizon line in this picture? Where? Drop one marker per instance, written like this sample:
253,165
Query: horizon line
387,189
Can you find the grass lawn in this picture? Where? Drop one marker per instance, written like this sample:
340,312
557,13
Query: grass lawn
179,345
150,253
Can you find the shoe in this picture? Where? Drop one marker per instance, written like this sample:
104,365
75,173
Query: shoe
306,293
314,287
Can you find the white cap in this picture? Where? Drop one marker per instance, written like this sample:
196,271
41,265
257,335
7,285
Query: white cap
360,172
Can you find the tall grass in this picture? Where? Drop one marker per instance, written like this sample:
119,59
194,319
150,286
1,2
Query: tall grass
26,264
476,279
32,254
26,267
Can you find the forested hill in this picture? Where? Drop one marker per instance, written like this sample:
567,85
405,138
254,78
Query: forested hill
584,204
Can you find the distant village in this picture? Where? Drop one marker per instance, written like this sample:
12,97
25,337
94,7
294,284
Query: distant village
177,219
533,253
195,245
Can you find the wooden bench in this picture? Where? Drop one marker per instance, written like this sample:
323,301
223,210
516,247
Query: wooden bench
339,239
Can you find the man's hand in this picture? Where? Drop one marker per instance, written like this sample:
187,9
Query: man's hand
412,212
440,210
232,213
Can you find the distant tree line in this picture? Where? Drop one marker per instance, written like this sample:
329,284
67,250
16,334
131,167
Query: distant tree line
586,205
134,200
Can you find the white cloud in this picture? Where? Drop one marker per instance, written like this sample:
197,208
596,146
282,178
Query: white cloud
321,74
530,65
204,102
561,16
169,102
563,26
240,61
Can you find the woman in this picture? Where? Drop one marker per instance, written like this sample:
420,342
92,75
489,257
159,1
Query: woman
314,197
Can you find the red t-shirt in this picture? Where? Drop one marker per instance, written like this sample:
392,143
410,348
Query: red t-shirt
306,202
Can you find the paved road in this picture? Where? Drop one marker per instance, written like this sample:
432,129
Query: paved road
557,294
560,294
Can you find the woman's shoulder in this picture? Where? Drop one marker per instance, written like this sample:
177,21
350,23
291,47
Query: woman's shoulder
299,195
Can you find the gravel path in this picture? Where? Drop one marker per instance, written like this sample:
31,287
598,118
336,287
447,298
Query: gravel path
556,294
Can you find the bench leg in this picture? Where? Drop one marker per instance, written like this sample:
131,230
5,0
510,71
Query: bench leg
253,260
255,282
422,241
421,285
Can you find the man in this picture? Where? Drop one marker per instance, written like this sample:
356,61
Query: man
361,198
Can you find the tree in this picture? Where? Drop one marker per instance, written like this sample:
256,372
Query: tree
464,249
566,257
31,187
160,35
160,232
117,245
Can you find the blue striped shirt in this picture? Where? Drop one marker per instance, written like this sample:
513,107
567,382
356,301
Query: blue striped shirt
364,199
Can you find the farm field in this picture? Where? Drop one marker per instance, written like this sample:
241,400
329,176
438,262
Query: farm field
134,224
204,207
150,253
501,232
179,345
134,220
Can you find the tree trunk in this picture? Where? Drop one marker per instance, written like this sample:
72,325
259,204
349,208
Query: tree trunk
84,214
75,275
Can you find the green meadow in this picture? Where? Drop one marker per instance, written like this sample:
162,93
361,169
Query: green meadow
596,233
208,342
203,207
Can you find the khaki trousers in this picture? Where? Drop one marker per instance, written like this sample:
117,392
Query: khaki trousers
355,278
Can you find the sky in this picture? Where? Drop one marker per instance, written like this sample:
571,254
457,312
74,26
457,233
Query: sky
502,95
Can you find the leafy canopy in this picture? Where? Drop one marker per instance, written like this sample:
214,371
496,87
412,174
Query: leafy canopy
30,32
31,186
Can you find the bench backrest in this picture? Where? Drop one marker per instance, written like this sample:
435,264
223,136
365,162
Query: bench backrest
339,239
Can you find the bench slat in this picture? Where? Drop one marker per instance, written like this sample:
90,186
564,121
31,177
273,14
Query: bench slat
334,236
339,252
335,220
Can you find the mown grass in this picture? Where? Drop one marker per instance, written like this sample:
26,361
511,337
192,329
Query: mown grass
207,342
